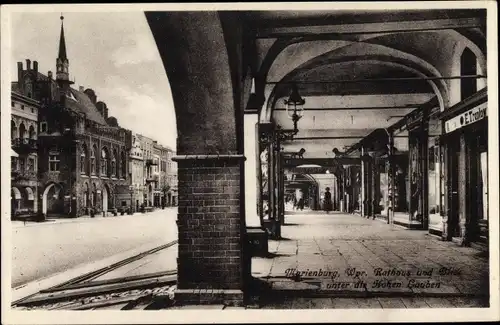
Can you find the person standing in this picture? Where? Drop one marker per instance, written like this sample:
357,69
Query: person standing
327,201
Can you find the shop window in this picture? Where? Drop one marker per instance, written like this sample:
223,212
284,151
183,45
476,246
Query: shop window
468,67
54,162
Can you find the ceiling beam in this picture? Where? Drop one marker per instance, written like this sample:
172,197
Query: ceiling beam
376,80
347,108
370,28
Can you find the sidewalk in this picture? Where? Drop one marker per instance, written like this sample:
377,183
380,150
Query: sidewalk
344,255
85,218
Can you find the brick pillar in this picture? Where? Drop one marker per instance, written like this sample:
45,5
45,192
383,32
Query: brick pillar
210,264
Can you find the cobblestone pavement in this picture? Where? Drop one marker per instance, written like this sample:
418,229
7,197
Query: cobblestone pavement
347,256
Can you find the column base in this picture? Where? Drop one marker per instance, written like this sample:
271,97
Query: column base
228,297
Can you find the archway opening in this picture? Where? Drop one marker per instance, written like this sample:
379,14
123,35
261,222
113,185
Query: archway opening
53,199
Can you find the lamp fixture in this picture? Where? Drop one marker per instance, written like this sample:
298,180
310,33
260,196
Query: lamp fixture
295,110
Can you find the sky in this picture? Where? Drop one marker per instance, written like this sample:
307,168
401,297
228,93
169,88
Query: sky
113,53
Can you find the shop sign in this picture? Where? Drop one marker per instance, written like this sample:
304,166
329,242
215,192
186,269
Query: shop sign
466,118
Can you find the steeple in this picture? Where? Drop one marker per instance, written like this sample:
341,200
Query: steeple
62,43
62,62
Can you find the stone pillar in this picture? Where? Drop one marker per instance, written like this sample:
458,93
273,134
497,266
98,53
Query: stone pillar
363,183
251,181
210,264
462,189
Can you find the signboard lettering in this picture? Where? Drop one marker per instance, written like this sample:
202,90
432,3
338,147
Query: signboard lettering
471,116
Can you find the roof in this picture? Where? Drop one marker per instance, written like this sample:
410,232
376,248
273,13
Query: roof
81,103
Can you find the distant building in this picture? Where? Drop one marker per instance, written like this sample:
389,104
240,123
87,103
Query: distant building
83,152
167,176
24,162
137,173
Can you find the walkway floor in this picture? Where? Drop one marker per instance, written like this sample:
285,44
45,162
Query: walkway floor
340,255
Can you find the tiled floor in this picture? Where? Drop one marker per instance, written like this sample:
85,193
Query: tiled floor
390,263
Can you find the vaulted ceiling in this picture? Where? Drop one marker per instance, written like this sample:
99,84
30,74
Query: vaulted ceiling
358,70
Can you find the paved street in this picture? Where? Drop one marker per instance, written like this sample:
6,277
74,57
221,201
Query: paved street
344,255
43,249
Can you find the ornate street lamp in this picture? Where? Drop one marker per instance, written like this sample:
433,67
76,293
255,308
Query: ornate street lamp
295,110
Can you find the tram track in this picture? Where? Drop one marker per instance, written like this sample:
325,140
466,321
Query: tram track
83,293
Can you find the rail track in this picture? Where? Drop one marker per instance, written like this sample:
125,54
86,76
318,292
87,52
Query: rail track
146,291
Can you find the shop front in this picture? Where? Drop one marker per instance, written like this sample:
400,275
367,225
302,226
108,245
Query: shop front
465,146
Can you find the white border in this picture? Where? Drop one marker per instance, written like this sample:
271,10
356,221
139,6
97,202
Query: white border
254,316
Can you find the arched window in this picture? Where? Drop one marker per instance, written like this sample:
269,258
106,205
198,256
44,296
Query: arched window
13,130
468,67
32,133
123,162
22,131
113,164
28,87
104,162
93,160
83,159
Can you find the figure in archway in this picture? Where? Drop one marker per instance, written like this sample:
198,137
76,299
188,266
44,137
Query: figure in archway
327,201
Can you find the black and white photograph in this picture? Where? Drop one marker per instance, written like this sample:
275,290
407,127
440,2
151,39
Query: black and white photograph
336,161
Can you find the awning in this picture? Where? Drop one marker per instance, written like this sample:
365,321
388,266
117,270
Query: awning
29,191
13,153
15,193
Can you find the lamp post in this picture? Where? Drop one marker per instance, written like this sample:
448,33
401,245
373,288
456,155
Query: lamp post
295,110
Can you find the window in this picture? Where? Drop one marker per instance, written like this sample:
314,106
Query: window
113,167
13,163
13,130
468,67
22,107
13,104
54,162
104,162
92,160
83,159
31,164
123,162
43,127
32,109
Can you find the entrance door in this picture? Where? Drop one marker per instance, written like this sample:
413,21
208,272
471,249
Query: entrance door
453,188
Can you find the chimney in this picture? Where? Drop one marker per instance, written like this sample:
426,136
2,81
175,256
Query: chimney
105,112
19,71
81,89
35,66
28,64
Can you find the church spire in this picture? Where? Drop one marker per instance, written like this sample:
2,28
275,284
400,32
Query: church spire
62,42
62,62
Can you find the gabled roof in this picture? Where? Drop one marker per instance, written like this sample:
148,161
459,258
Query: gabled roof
80,102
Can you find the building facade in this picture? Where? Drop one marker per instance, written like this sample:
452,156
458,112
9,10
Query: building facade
82,151
24,156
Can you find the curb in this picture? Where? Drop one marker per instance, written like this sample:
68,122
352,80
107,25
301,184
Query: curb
31,288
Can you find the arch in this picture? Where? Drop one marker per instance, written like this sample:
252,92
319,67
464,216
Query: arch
441,92
13,130
22,131
57,196
200,77
15,193
32,132
105,198
468,66
29,194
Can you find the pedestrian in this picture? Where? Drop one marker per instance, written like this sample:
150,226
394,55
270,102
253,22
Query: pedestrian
300,204
327,201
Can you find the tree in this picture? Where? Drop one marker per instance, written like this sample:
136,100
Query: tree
165,188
